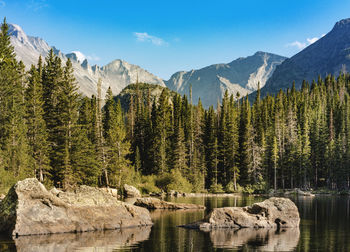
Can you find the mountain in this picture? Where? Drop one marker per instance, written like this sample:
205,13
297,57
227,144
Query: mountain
328,55
241,75
151,90
117,74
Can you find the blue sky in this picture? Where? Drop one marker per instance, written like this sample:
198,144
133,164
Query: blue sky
168,36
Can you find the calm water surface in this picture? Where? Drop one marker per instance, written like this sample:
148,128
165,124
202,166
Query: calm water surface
325,226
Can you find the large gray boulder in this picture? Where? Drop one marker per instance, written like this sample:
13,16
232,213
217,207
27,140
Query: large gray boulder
271,213
131,192
29,209
154,203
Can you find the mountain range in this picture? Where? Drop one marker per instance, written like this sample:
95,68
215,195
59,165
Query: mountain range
329,55
242,75
117,74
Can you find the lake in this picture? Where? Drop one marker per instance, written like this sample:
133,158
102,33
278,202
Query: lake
324,226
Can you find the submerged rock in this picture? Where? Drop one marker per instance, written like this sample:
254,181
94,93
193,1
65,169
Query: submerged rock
29,209
154,203
131,192
271,213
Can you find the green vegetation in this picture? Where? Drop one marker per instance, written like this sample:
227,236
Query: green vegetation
157,140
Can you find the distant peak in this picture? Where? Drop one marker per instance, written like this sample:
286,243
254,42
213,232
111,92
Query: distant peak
85,64
260,53
14,27
79,56
16,31
342,23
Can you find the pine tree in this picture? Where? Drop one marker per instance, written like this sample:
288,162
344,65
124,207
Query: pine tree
13,129
37,134
118,167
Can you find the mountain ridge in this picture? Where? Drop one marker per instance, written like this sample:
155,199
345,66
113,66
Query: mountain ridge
240,75
116,74
328,55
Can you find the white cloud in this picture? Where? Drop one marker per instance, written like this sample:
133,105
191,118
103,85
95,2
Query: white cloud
2,3
145,37
302,45
311,40
93,57
297,44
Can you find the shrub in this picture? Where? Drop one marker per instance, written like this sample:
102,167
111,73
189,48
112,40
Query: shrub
259,187
173,181
148,185
229,188
216,188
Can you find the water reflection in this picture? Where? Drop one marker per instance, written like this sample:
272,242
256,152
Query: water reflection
324,226
87,241
261,239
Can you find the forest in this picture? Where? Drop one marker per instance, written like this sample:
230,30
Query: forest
296,138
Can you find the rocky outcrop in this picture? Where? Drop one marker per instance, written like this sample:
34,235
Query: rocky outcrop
154,203
271,213
29,209
88,241
131,192
112,191
2,196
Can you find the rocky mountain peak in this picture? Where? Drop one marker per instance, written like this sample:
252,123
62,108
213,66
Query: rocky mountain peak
344,23
17,32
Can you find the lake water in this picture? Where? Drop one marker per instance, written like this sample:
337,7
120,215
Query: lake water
325,226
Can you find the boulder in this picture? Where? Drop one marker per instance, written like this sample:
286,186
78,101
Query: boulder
30,209
271,213
111,191
2,196
131,192
55,191
173,193
304,193
154,203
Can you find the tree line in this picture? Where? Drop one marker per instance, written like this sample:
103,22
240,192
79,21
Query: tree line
296,138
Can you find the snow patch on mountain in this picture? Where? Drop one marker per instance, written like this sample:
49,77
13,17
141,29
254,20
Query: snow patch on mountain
80,56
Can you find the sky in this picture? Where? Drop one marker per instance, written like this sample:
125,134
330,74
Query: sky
166,36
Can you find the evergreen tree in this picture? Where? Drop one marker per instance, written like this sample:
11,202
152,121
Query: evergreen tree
37,134
15,159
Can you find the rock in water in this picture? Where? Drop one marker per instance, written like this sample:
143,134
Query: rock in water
30,209
154,203
271,213
131,192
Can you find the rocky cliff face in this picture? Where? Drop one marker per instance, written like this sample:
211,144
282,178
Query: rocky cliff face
328,55
241,75
117,74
